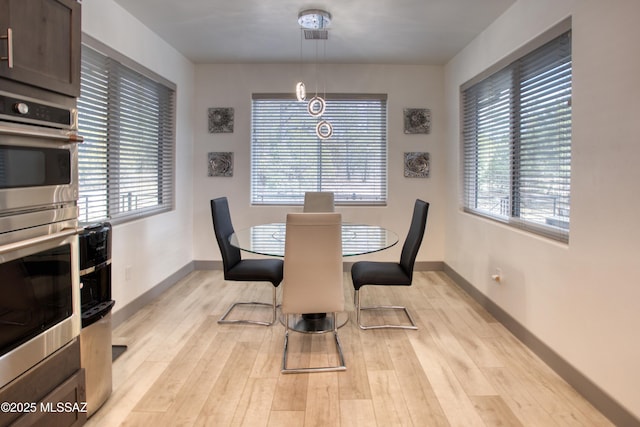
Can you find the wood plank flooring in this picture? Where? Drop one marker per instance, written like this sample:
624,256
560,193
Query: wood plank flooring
461,368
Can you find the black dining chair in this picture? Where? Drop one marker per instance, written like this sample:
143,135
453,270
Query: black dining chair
244,270
364,273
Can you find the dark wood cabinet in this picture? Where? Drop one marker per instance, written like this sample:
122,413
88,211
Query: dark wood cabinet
57,408
52,393
40,44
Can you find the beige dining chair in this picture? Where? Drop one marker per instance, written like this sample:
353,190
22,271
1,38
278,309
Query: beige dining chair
318,201
312,276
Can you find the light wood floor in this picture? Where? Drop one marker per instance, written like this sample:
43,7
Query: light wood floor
461,368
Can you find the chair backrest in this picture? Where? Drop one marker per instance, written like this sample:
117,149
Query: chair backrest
223,228
318,201
414,236
312,281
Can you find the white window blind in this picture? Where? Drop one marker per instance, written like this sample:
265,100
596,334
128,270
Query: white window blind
125,164
288,159
517,141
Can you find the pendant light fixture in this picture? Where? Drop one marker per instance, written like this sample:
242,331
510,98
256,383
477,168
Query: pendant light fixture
314,23
301,90
324,130
316,105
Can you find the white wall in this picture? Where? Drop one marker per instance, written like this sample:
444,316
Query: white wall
581,299
147,251
406,86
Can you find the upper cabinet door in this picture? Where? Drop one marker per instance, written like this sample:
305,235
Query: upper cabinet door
40,43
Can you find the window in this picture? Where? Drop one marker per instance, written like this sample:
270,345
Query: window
288,159
125,164
517,141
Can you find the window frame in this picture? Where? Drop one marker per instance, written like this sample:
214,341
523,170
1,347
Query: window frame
112,145
558,228
377,134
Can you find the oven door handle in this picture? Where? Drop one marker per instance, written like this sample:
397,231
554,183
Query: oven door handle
37,240
9,39
66,136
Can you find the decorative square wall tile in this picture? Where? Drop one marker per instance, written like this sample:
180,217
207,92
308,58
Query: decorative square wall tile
221,164
416,165
221,120
417,120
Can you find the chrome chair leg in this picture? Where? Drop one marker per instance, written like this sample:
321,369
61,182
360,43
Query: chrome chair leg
359,309
273,306
341,367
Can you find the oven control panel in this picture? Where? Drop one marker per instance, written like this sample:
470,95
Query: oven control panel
23,110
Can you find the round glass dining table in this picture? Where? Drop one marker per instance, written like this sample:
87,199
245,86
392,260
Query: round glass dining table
357,239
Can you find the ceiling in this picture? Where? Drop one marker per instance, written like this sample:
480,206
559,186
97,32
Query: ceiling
361,31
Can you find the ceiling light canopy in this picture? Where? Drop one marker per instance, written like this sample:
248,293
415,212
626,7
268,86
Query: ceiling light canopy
314,19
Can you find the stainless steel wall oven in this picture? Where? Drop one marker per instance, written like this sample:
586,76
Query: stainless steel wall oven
39,283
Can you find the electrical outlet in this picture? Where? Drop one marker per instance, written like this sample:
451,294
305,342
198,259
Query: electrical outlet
127,273
497,275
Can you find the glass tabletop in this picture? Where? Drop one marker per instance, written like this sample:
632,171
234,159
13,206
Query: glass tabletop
357,239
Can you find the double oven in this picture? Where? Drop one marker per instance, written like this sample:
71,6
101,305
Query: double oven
39,283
